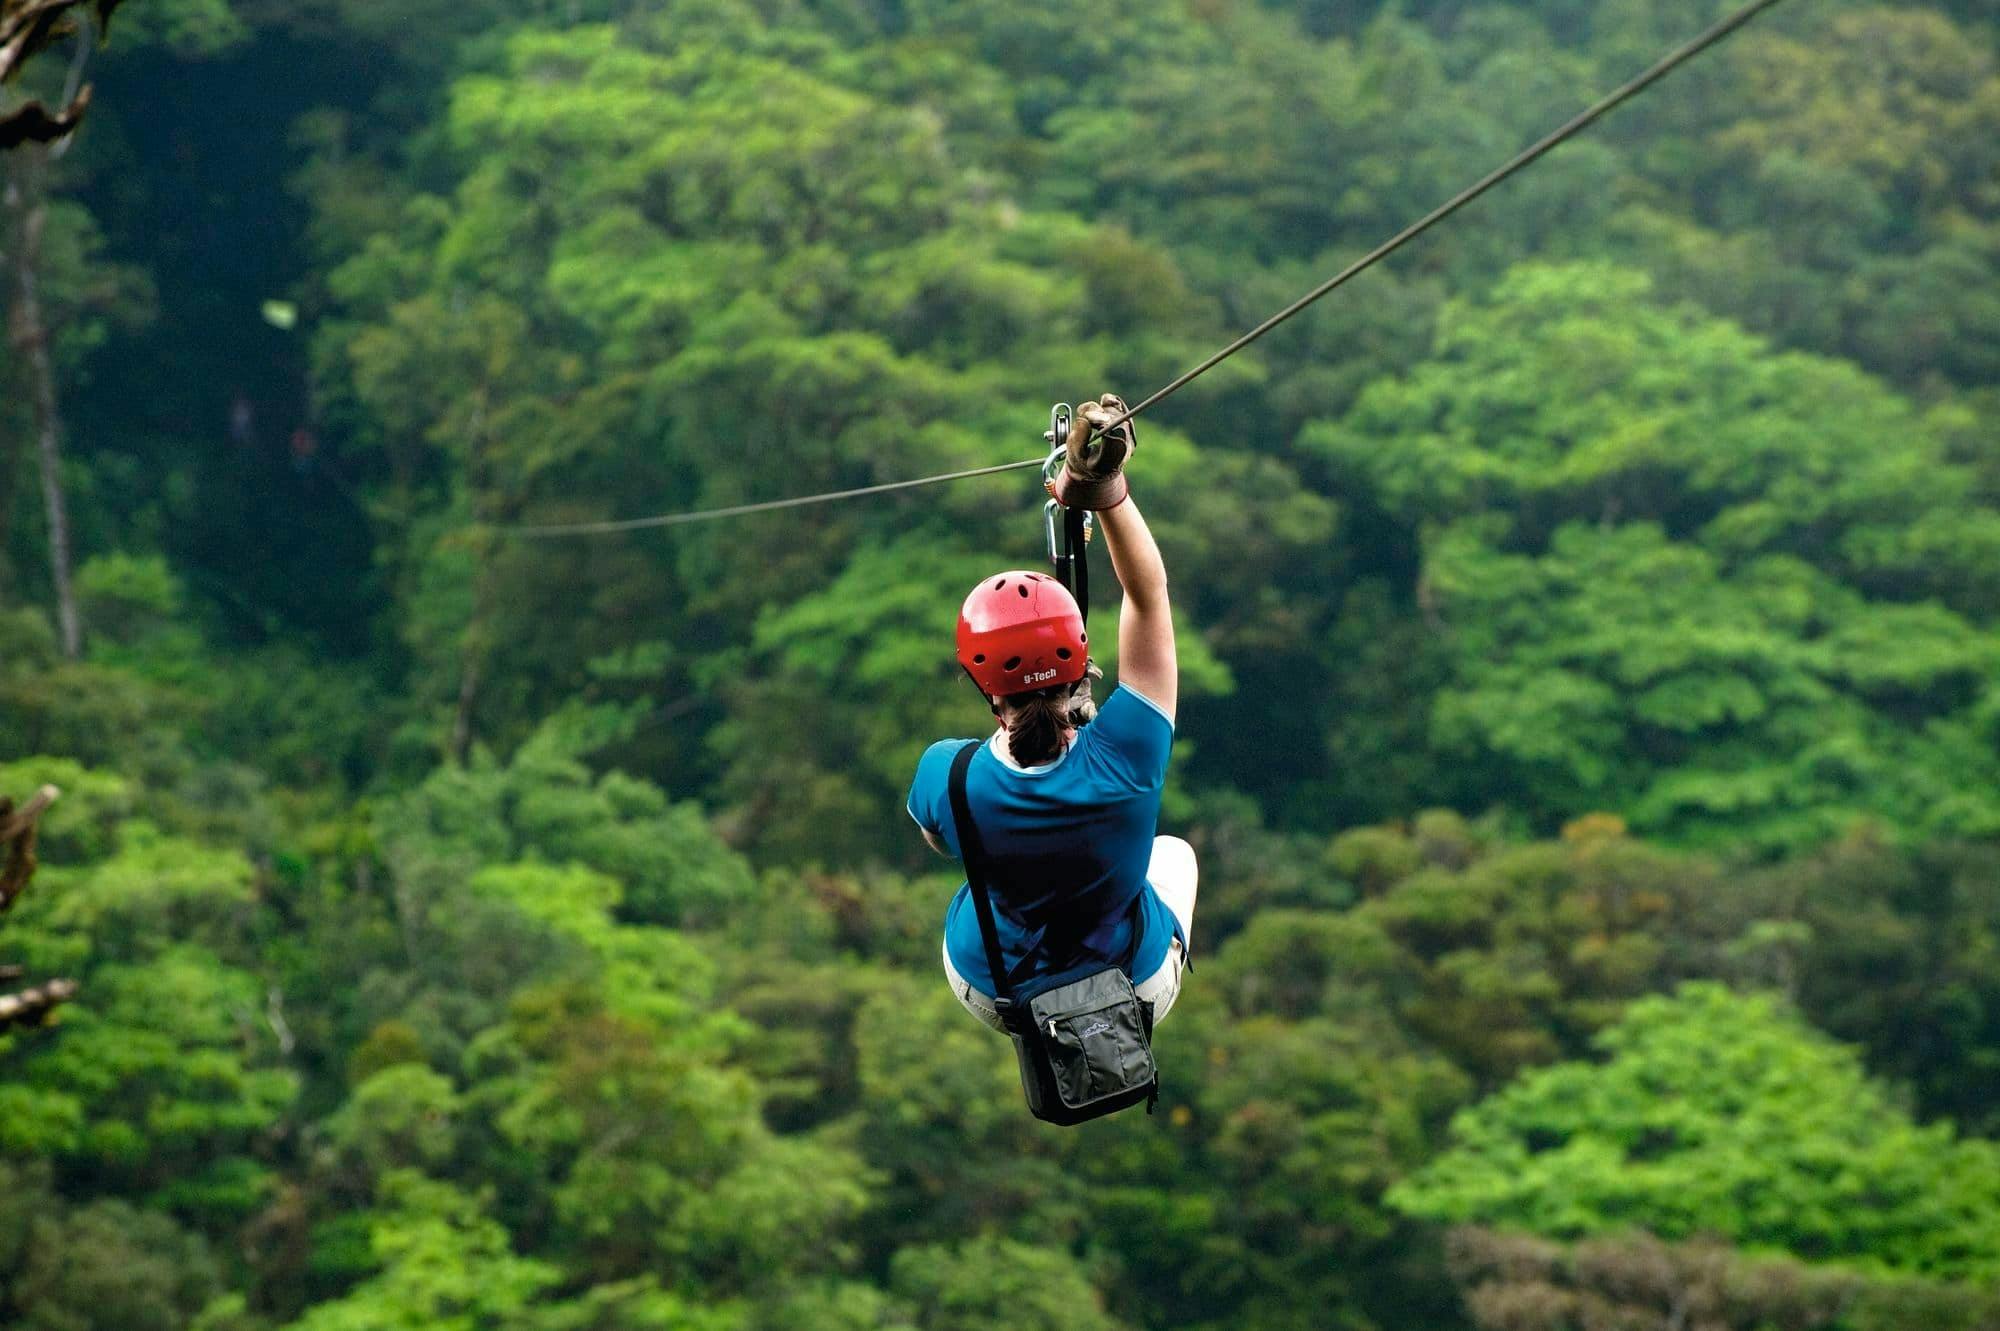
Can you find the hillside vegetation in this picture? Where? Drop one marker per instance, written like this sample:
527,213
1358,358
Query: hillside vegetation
1590,638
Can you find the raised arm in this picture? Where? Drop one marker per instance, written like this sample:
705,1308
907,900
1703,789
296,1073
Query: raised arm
1094,478
1146,660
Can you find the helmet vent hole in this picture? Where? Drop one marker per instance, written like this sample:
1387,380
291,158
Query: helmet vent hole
1062,653
1011,663
979,659
1083,637
1023,589
998,585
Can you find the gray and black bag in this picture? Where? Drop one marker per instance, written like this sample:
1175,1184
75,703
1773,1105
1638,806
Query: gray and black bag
1086,1047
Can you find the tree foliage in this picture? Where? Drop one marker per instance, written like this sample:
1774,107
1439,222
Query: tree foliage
1717,1113
1815,644
1586,621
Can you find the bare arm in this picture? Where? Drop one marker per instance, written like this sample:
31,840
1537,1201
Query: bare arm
935,842
1146,659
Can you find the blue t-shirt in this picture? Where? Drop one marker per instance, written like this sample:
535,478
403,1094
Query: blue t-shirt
1068,844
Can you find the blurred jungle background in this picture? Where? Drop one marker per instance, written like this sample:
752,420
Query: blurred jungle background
1591,632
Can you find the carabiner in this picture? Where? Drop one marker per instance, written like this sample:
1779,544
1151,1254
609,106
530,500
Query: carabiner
1052,527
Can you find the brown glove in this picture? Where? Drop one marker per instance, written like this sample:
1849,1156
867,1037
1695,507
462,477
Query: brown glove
1094,475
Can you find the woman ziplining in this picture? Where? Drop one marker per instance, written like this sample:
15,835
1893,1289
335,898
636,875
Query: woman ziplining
1073,928
1071,932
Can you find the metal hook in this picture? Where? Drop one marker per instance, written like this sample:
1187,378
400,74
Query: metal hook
1052,527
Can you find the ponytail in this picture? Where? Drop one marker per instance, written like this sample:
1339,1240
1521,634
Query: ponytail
1035,724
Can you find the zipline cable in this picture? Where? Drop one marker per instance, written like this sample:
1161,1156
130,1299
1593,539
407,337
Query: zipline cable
766,506
1611,101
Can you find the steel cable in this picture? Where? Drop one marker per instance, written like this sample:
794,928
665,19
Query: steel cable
765,506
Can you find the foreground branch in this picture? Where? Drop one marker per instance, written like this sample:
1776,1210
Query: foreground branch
18,829
31,1007
28,27
17,841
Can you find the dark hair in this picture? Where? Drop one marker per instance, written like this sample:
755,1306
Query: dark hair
1035,722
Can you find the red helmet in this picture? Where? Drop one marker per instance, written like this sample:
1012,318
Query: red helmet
1019,632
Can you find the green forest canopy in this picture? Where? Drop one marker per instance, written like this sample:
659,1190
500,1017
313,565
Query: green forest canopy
1593,606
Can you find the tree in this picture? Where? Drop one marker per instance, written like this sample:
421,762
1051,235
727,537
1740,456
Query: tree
38,139
1890,947
170,1067
1516,1283
152,1083
444,1266
102,1266
995,1287
29,336
1573,453
1718,1113
1509,956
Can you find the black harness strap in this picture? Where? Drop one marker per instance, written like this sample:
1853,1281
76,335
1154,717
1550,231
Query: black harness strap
973,852
1072,567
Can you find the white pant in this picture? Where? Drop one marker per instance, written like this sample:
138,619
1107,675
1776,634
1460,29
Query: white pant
1174,875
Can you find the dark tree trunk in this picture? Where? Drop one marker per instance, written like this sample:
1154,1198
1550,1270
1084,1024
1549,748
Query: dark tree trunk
475,648
471,662
10,462
28,334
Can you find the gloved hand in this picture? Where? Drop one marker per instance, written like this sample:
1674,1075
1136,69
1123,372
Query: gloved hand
1093,477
